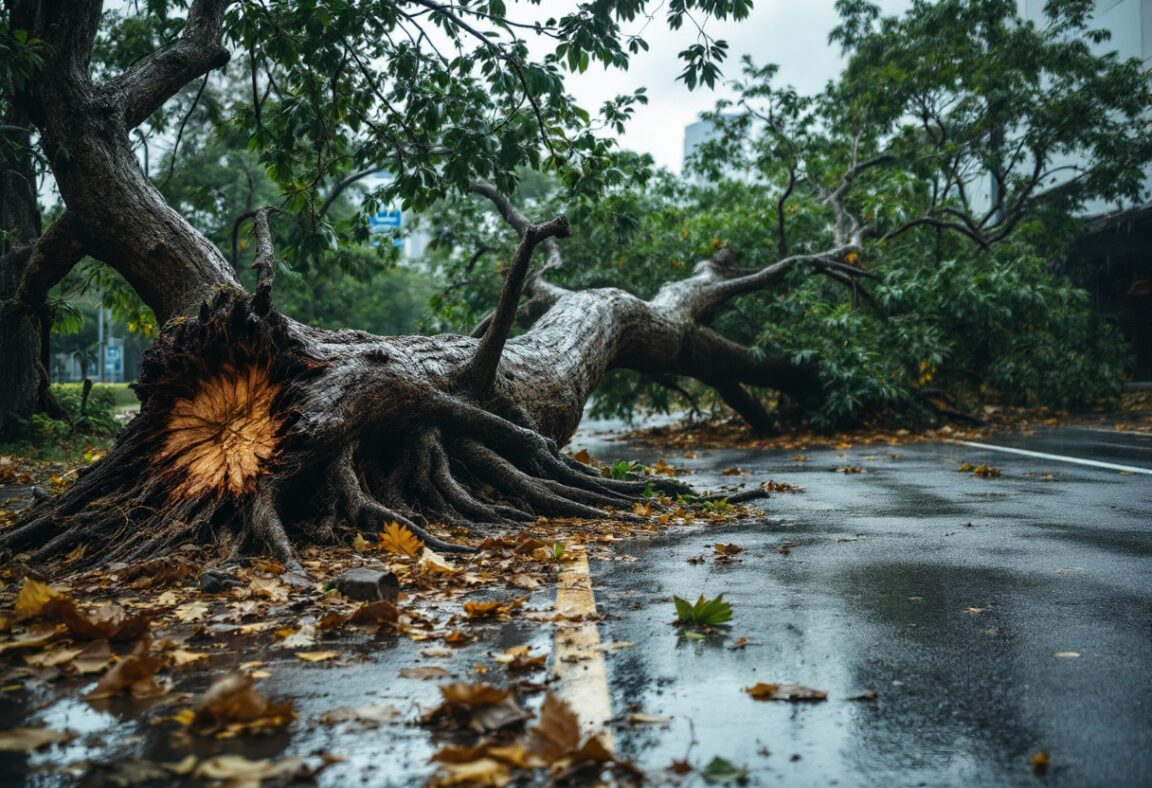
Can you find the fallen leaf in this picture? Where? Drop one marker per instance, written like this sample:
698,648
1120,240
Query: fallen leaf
790,692
29,739
733,471
490,609
481,707
584,457
557,733
107,622
53,658
182,657
519,658
232,706
366,716
189,612
380,612
135,675
637,718
360,544
317,656
720,771
434,564
396,538
270,588
480,772
727,549
32,599
239,772
424,672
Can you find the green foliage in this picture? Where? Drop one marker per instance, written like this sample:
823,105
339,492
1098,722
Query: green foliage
93,419
704,613
890,157
623,470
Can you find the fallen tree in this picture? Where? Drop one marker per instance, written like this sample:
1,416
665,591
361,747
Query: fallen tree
258,432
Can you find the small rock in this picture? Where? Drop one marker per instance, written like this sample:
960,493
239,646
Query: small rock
367,585
213,582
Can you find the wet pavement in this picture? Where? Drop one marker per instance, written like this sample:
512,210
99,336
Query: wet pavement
993,617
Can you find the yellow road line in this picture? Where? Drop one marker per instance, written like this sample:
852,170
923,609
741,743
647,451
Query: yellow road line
578,667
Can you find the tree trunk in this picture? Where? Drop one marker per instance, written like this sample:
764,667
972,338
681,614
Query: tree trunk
24,338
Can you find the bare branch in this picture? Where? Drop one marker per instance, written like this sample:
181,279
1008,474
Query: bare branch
519,221
343,184
180,132
265,263
145,87
480,373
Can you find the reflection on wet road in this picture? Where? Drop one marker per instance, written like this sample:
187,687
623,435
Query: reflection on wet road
994,617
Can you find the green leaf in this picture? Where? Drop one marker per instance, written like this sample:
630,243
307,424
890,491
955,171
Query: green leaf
722,772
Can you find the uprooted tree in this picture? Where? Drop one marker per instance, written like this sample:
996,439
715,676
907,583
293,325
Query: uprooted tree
259,432
256,431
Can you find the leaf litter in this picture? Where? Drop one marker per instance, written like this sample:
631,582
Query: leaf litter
147,634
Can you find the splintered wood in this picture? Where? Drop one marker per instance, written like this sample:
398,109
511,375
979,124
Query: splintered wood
219,440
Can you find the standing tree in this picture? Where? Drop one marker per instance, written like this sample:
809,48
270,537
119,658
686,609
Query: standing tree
259,432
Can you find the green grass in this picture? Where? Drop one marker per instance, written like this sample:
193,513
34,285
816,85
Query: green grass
122,396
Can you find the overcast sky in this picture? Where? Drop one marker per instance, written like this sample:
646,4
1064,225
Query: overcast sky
791,33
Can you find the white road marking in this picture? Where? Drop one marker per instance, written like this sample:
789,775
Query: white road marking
1059,458
577,658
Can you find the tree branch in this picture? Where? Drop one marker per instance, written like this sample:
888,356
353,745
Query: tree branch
265,263
342,184
144,88
47,260
480,373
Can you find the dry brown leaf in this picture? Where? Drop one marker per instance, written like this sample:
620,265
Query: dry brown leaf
236,771
53,658
33,638
360,544
519,658
95,658
733,471
232,706
424,673
189,612
490,609
29,739
380,612
317,656
365,716
584,457
396,538
795,693
557,733
270,588
182,657
434,564
33,597
107,622
482,772
637,718
727,549
526,582
135,674
481,707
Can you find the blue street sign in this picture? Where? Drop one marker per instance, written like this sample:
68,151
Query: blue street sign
385,220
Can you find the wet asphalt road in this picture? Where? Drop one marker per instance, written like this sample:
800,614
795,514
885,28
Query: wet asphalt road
951,596
960,600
